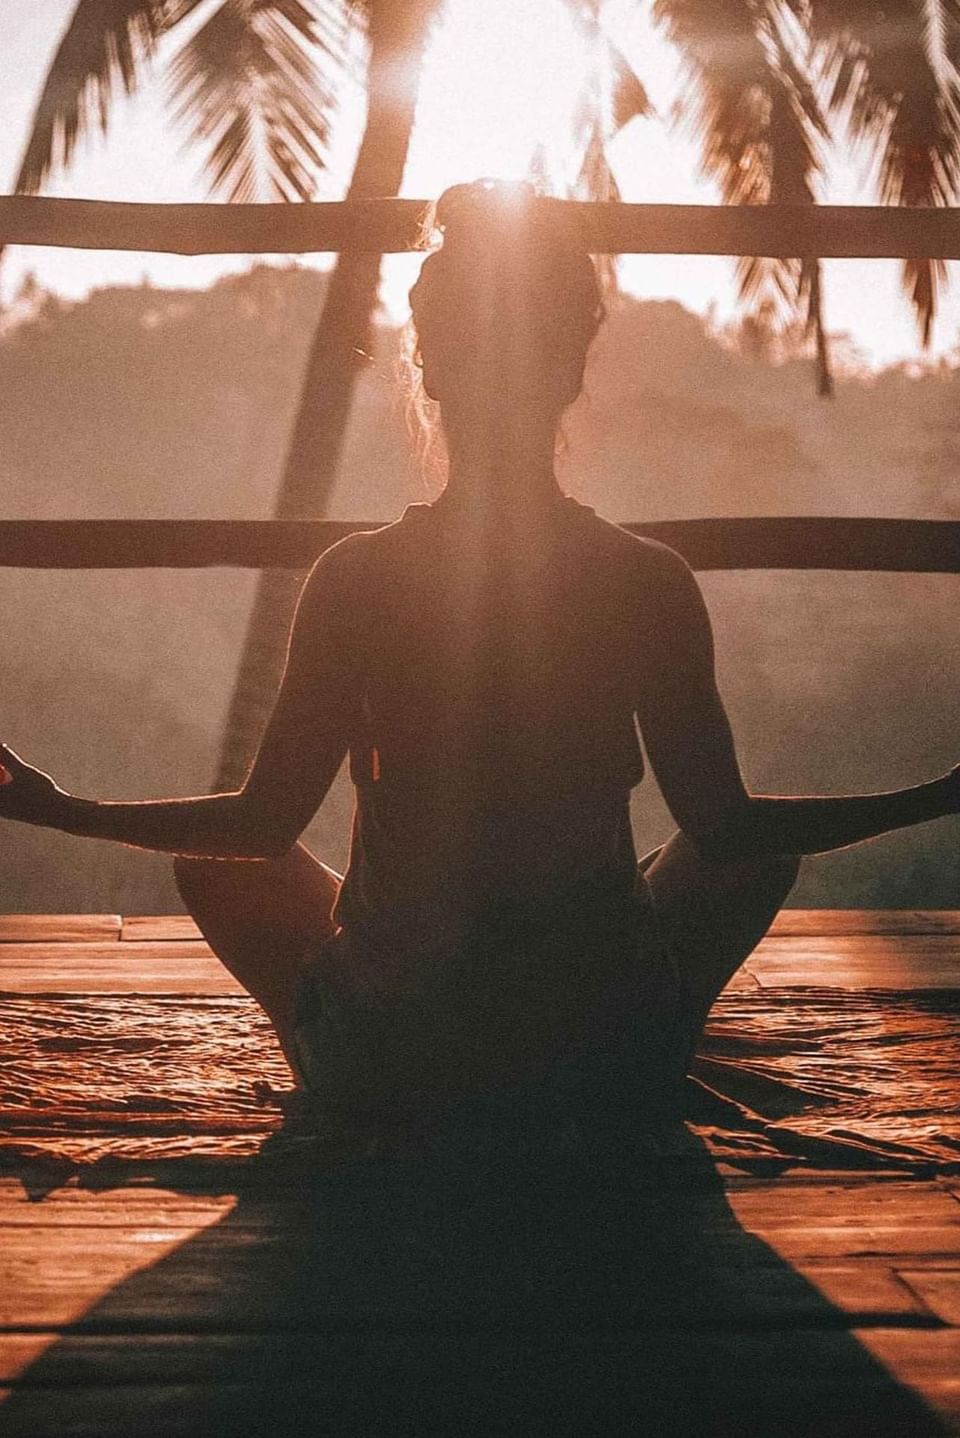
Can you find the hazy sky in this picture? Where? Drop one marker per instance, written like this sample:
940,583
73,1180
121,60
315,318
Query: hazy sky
491,87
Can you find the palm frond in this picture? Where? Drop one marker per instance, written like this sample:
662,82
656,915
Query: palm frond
893,76
252,89
629,99
612,95
105,48
752,105
950,11
757,117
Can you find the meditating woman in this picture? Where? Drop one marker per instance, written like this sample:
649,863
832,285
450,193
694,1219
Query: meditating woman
486,661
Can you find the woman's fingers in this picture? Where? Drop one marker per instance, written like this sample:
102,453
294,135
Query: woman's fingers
8,764
25,792
10,761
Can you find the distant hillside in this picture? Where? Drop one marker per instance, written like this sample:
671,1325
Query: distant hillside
149,403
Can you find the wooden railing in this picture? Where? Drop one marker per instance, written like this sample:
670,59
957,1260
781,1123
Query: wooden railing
895,545
385,225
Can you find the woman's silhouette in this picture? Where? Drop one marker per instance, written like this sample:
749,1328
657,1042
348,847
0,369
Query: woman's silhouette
486,661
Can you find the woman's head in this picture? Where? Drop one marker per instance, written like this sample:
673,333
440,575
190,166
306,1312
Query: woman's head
504,311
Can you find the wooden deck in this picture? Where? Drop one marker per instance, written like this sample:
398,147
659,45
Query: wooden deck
384,1298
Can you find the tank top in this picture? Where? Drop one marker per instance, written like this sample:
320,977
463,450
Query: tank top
494,744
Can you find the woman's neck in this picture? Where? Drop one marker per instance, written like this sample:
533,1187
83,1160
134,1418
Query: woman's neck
520,489
503,465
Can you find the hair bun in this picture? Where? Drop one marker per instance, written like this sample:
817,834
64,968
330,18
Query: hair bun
507,210
485,202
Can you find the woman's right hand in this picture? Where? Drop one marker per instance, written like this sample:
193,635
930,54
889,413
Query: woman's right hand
26,793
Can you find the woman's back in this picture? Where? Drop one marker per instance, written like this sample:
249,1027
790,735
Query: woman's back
495,745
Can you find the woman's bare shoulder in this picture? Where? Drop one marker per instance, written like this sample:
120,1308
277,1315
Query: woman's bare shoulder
357,554
648,559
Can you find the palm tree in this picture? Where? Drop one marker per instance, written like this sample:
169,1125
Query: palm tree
893,76
769,75
762,131
397,35
253,81
255,96
256,81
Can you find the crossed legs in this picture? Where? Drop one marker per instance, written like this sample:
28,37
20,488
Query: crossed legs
715,911
262,919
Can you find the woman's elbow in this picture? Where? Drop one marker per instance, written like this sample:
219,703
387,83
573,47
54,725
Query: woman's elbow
734,834
748,836
255,835
268,843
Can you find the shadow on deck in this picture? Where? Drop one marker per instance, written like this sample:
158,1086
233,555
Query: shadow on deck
492,1284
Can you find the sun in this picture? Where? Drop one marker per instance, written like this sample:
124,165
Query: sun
500,85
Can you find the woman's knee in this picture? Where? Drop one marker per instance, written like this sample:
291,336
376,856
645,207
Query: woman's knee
291,897
682,852
782,868
196,878
775,873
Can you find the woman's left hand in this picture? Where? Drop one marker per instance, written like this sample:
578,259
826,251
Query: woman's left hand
26,793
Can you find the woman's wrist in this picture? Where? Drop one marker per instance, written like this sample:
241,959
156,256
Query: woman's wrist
65,812
48,809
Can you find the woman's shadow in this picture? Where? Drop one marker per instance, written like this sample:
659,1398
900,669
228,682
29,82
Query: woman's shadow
559,1275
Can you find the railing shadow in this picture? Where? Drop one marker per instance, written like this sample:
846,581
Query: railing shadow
481,1287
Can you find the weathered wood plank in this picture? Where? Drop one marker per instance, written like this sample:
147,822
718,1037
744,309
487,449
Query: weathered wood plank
854,977
136,1204
938,1289
807,1236
915,1354
131,967
192,1410
789,923
806,922
912,1355
862,947
158,928
859,961
754,1203
907,546
779,1206
387,225
862,1289
58,928
227,1274
595,1384
868,1241
153,959
795,1180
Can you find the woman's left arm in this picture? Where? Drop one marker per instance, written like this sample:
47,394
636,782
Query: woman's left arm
301,750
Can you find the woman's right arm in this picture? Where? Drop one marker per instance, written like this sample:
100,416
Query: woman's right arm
688,739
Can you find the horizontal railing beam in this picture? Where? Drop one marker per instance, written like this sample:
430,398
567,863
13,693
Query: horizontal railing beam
918,546
383,226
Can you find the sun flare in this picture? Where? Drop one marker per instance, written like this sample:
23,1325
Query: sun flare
501,85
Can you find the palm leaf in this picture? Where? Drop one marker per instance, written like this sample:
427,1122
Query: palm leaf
628,94
251,89
612,96
105,47
728,103
892,73
761,129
